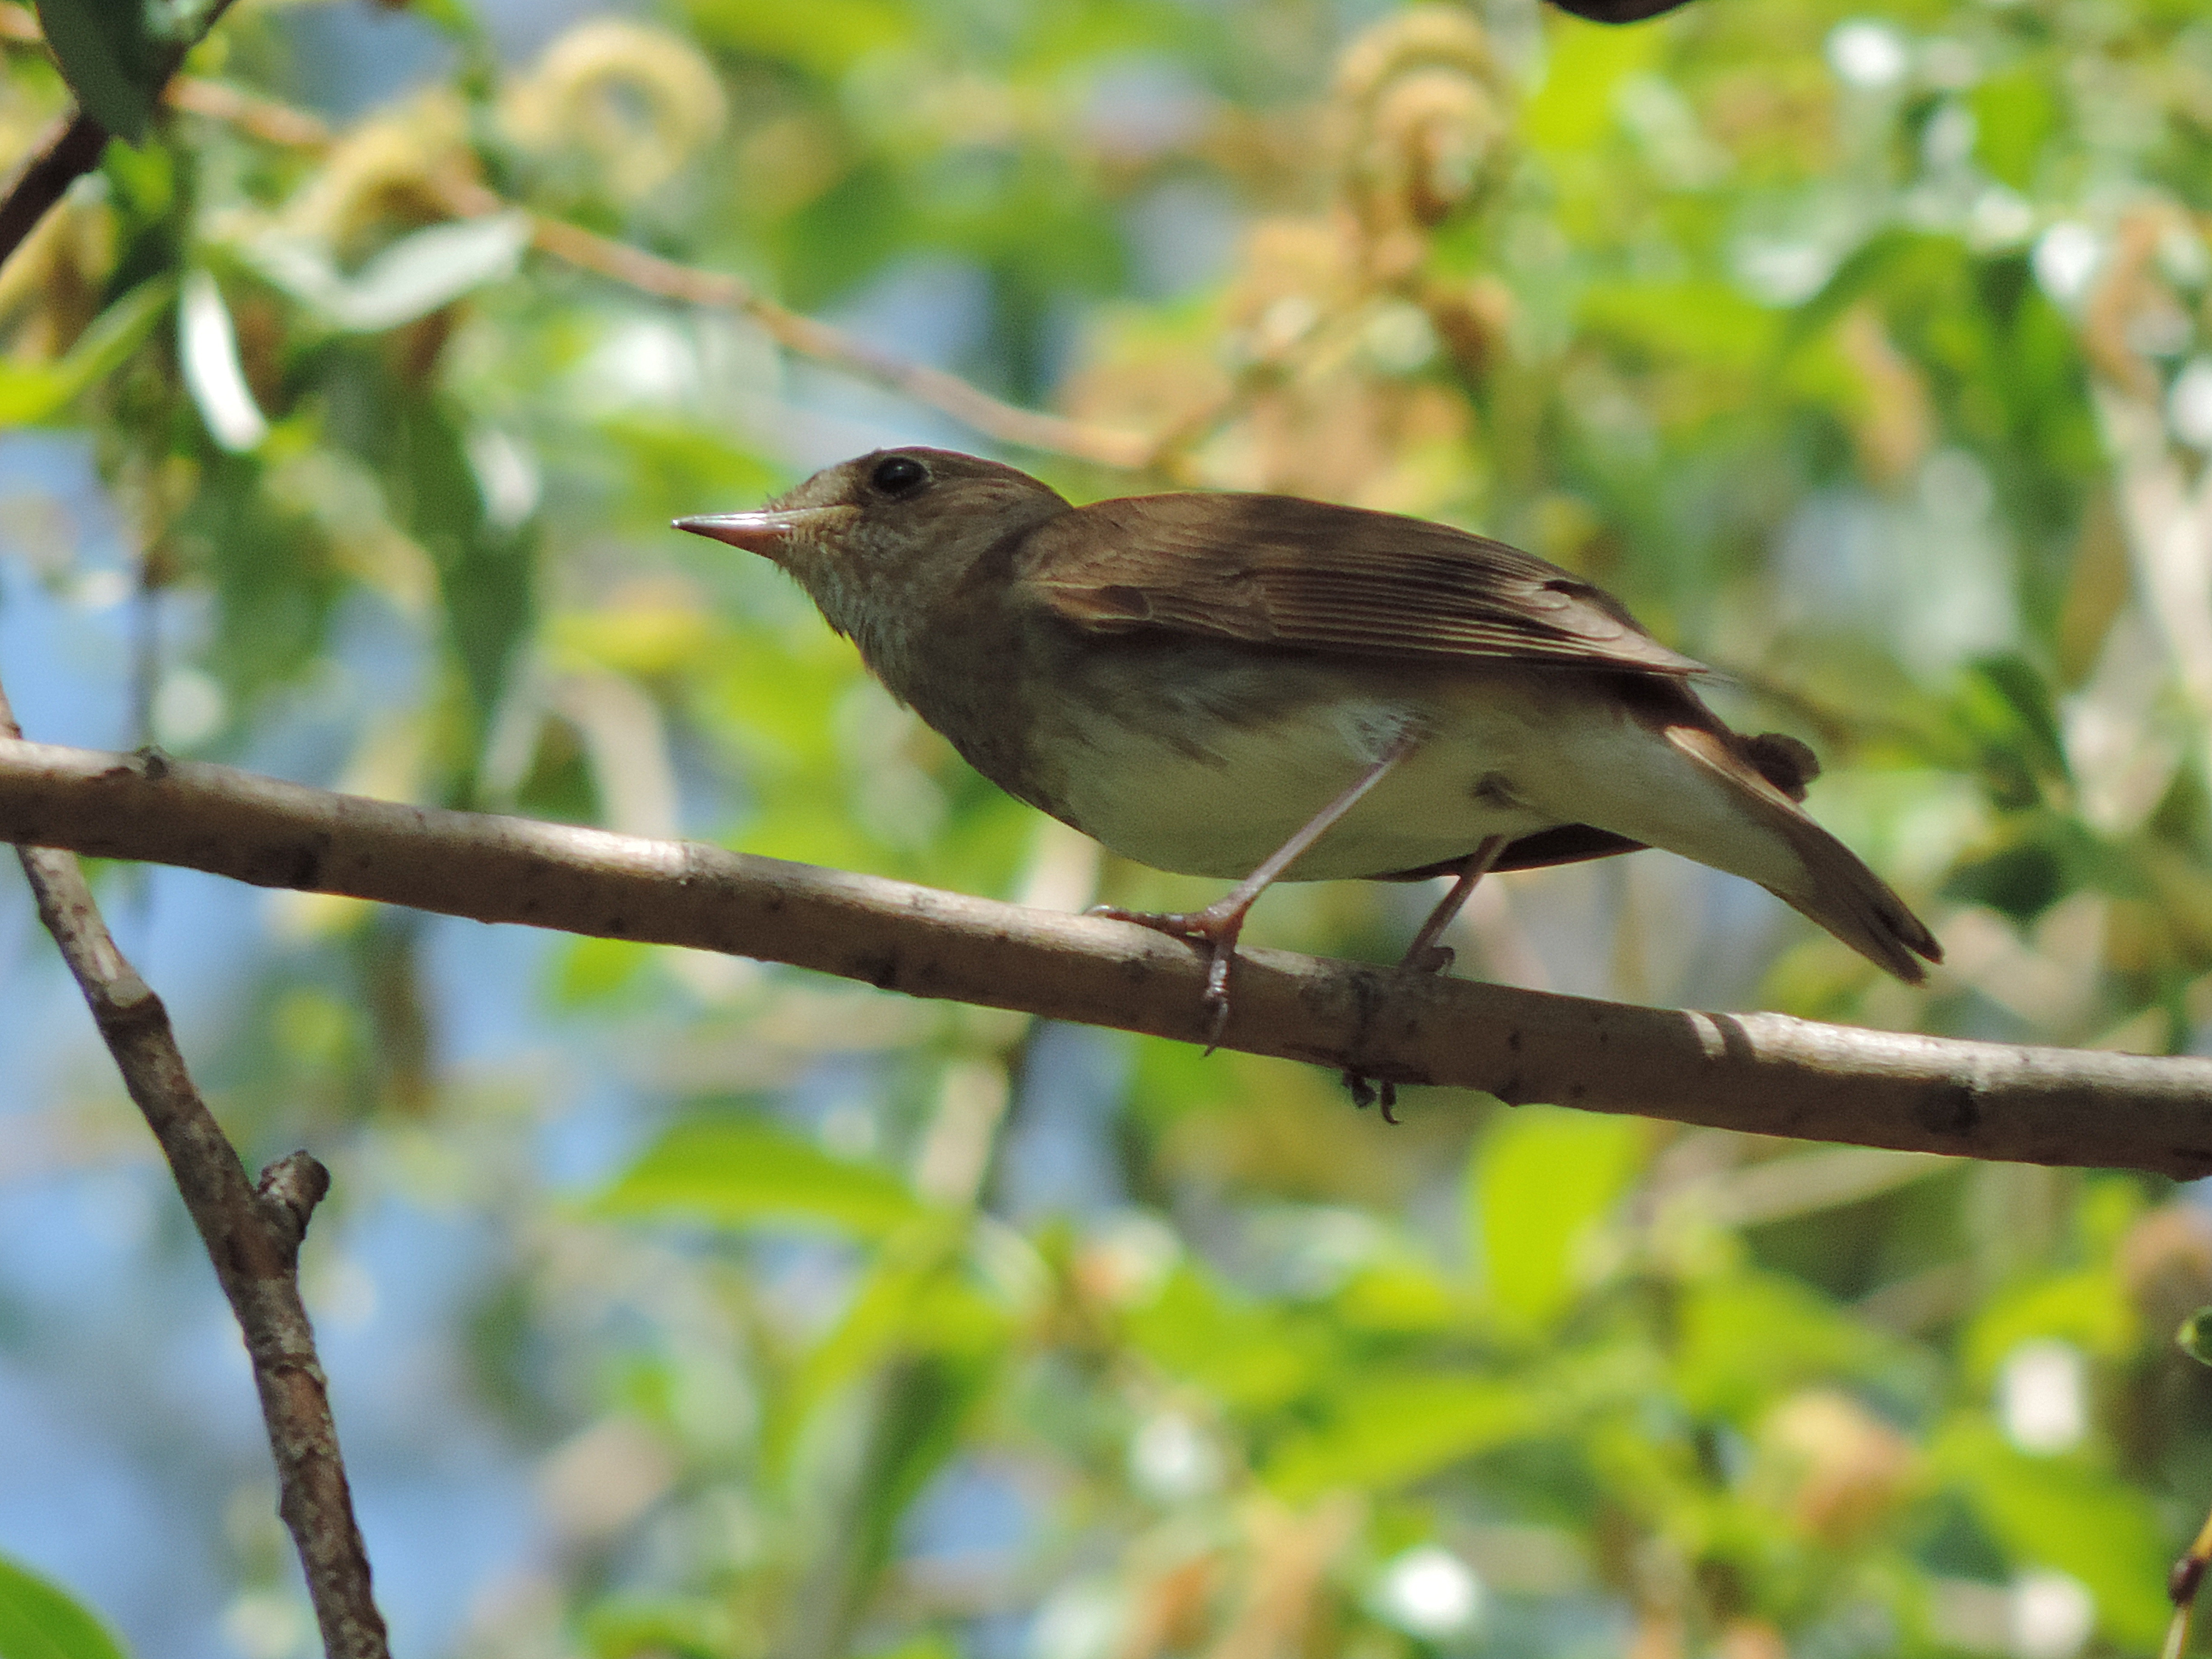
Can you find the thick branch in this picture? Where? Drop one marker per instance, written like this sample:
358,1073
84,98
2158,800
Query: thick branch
1762,1073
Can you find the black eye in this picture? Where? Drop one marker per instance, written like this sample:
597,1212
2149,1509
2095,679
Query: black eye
898,475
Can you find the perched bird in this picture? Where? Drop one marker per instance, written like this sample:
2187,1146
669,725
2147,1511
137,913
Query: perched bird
1263,688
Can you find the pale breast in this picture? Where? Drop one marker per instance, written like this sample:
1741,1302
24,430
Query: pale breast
1200,778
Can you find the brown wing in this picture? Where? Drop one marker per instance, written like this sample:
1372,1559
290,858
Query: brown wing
1272,569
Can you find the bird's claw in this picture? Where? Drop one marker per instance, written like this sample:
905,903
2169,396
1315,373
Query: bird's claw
1368,1092
1216,931
1216,999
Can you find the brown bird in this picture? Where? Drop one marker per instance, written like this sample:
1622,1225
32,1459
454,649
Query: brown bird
1263,688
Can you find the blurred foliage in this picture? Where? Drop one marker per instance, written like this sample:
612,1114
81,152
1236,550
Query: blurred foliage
1865,353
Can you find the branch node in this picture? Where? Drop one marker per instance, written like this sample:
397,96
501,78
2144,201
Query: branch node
287,1194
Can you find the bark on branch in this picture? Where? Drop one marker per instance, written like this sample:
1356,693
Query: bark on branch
1766,1074
251,1234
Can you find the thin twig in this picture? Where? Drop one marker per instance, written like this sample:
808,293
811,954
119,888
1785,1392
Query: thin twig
1766,1074
2181,1587
649,273
948,394
68,149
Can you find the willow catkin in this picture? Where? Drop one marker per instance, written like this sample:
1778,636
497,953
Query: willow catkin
632,101
1425,116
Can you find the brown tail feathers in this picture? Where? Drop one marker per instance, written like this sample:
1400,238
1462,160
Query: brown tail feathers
1840,893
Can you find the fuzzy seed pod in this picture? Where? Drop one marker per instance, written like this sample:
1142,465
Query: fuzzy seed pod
1425,113
635,103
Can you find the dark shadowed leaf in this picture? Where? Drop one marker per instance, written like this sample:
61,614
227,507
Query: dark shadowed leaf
111,59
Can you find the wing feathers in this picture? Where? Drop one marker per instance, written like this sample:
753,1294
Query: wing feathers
1273,570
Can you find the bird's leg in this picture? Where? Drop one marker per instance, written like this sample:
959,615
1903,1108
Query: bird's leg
1218,925
1425,956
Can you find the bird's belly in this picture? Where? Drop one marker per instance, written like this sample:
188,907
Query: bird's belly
1222,805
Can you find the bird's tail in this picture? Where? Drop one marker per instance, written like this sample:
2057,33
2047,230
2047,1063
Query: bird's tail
1830,883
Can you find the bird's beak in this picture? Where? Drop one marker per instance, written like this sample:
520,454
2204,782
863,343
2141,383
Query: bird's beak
768,532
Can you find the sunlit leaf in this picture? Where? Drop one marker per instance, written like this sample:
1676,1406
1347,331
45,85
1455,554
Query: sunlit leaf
40,1620
2014,114
736,1174
30,394
2088,1309
207,351
1574,106
1541,1181
1384,1431
409,279
2060,1512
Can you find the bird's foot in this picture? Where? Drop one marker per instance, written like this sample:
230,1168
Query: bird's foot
1216,927
1370,1091
1423,958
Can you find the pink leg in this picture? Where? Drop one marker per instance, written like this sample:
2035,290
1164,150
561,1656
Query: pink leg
1425,956
1218,925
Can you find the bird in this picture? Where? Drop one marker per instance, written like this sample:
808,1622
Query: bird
1260,688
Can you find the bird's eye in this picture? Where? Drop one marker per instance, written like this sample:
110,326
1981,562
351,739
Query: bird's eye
897,475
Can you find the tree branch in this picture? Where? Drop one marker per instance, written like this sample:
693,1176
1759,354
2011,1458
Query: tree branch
66,151
1765,1073
253,1237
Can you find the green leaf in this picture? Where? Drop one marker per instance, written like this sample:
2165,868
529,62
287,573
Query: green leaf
741,1175
32,392
827,36
2007,696
1390,1431
2088,1309
1747,1337
1541,1181
2064,1513
2015,114
1252,1357
111,60
39,1620
1573,108
2194,1336
275,579
487,574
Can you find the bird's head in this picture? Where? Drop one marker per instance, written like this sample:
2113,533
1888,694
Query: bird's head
889,529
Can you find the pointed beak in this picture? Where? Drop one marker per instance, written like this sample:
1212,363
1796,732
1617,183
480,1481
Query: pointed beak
768,531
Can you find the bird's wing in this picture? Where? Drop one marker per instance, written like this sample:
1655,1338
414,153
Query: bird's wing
1274,570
